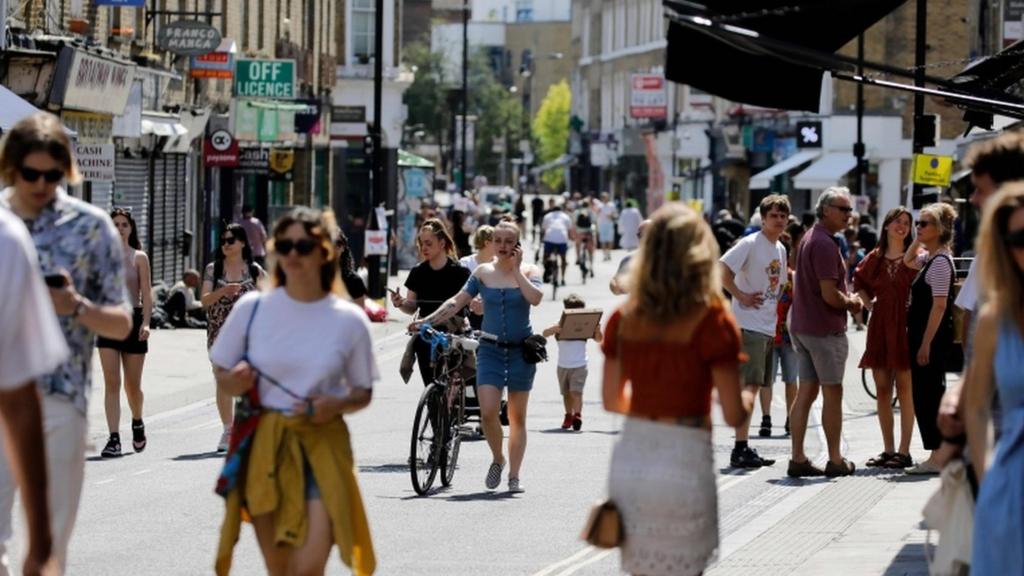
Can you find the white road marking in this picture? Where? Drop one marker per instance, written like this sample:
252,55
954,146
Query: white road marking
595,558
141,472
107,481
549,570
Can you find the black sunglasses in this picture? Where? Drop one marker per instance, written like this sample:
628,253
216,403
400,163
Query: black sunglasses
51,176
923,223
843,209
1015,239
228,240
304,247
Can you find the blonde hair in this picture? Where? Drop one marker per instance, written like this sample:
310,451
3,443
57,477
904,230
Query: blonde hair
676,269
319,226
1001,278
503,225
40,132
484,234
438,228
944,216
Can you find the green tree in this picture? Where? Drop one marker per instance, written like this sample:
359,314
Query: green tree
551,131
426,97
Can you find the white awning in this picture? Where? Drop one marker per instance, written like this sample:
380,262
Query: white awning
763,179
161,124
195,124
825,172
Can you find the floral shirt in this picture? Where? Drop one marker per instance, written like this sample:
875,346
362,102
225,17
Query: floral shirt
77,237
785,302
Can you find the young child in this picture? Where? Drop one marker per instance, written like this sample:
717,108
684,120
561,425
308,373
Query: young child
572,367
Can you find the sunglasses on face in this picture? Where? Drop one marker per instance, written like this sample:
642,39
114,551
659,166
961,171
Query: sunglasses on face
285,246
1015,239
51,176
843,209
228,240
923,223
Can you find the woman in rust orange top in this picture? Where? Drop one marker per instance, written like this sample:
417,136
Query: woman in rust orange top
665,349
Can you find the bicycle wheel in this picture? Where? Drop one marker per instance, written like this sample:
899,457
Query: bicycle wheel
453,436
422,462
868,381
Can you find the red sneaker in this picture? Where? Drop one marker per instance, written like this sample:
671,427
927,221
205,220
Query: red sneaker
567,422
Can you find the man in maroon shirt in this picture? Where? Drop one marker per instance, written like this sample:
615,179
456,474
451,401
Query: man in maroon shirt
821,301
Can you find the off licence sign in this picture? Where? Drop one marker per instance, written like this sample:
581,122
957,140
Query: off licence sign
273,79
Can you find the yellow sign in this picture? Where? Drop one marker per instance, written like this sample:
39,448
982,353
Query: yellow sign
931,170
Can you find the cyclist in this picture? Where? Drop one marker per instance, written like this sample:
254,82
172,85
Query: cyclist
584,220
558,230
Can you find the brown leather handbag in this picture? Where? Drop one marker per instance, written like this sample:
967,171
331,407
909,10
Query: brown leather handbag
604,526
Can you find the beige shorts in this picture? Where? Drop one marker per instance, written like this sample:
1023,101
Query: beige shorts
572,379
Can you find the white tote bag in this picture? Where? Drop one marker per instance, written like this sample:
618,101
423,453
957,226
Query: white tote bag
950,512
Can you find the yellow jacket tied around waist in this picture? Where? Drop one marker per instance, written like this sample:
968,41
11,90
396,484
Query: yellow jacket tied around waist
274,483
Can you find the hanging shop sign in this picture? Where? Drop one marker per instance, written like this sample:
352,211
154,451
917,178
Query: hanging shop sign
265,79
253,161
94,83
809,134
376,243
307,120
91,127
219,64
648,98
220,150
189,38
282,164
932,170
95,161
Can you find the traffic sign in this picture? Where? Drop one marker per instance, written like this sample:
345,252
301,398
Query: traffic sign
273,79
932,170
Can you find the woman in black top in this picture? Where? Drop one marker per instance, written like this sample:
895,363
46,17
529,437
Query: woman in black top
432,282
930,327
353,282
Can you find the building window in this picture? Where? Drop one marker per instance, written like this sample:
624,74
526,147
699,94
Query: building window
244,9
524,10
362,30
262,18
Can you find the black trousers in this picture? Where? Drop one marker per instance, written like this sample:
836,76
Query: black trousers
929,384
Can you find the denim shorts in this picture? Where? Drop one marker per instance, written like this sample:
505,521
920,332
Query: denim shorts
787,357
312,490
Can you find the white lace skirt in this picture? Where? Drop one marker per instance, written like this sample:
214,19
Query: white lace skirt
663,481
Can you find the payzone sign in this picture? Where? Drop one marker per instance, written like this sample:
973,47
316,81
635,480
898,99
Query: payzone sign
265,79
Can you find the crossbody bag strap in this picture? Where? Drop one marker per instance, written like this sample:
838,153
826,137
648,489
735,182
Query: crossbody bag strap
248,327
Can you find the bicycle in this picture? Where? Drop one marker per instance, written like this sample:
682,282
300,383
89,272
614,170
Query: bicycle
585,258
440,418
553,272
867,379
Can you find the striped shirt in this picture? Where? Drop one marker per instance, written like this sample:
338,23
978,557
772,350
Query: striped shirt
940,273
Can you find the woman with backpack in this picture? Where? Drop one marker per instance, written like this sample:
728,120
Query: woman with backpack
232,273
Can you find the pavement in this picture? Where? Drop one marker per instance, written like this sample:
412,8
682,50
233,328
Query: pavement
156,513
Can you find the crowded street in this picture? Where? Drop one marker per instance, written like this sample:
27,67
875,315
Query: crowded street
156,512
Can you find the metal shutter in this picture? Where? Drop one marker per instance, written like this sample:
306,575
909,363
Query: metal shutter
131,190
168,217
102,195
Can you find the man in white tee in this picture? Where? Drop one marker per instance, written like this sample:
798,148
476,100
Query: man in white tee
558,230
31,346
754,272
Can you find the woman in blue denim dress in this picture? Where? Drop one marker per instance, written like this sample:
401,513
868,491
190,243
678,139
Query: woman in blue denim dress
508,289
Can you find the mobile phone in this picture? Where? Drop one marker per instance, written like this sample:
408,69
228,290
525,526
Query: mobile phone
392,290
56,280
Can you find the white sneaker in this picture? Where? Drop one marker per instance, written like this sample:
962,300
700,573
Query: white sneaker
514,486
225,441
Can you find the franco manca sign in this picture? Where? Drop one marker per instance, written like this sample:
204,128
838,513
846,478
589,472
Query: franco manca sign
189,38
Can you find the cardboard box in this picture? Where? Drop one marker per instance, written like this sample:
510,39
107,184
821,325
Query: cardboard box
579,324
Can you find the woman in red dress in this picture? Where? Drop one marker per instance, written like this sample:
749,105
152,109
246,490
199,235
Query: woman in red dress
883,282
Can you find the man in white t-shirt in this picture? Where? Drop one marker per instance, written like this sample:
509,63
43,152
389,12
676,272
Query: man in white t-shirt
31,346
754,272
606,214
558,231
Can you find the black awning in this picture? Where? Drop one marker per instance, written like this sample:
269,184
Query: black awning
999,77
748,51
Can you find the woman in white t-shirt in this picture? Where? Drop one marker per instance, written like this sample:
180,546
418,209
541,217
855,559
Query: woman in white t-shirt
307,351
